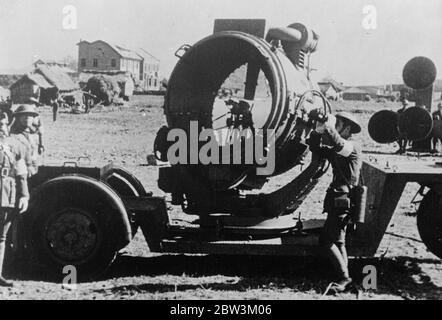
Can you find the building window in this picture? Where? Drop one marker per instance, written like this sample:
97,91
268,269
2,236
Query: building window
113,63
95,63
83,62
155,83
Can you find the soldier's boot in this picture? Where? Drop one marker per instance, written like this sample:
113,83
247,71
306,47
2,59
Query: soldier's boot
3,281
342,285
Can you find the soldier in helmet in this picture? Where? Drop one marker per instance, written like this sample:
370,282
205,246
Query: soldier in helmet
345,156
437,116
402,141
14,196
25,130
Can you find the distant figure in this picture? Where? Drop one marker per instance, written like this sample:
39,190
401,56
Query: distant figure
56,104
88,100
437,116
402,141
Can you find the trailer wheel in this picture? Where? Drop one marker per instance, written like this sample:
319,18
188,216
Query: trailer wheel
74,226
429,222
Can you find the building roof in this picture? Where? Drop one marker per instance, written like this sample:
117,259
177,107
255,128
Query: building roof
36,78
338,86
57,77
146,55
121,51
374,90
324,87
125,53
138,54
356,90
63,66
39,80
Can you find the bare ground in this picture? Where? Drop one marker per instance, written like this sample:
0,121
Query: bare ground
406,270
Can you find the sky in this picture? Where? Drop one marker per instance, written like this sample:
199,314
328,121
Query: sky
31,29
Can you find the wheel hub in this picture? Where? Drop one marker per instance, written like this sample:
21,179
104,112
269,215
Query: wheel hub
72,235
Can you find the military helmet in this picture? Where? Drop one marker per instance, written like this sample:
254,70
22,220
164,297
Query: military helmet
351,119
26,109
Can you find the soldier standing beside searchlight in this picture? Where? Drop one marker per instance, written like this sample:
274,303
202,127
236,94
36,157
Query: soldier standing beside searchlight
345,156
402,141
14,194
437,116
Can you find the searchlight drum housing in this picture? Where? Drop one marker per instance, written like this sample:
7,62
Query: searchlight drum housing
215,76
414,123
419,73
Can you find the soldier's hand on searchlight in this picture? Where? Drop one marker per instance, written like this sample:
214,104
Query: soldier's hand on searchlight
331,121
23,204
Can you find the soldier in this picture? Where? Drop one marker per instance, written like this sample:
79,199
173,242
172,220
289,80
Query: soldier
14,197
437,116
27,131
345,156
402,142
56,104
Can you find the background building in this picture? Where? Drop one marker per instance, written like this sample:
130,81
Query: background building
43,84
103,56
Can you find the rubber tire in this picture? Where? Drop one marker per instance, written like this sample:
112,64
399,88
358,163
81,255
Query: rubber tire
107,230
122,188
429,222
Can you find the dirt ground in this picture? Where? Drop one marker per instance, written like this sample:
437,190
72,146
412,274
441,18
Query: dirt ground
126,134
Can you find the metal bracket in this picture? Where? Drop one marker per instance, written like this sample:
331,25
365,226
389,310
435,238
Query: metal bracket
182,50
84,157
70,164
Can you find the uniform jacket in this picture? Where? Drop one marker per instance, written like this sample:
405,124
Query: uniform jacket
346,160
437,115
29,140
13,173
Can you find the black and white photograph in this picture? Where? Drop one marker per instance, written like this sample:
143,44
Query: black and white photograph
222,155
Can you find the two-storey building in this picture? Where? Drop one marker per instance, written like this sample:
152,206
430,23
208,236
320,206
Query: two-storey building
103,56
